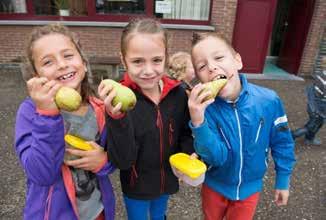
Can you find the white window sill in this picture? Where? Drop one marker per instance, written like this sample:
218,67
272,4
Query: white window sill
105,24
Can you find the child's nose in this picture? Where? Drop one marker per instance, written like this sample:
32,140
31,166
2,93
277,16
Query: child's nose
148,68
213,67
62,63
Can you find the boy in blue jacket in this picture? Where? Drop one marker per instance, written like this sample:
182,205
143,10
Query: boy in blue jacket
235,133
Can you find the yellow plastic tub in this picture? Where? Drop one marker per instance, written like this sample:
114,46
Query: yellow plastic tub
77,142
193,170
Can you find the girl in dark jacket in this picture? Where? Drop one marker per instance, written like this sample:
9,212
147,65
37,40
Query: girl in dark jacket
142,139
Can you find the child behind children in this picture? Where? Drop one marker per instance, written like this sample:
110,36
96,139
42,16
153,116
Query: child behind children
235,133
316,95
181,68
58,189
143,139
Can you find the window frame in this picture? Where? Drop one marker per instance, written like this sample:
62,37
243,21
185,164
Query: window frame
92,16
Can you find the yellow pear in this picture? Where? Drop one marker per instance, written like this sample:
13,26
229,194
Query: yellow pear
124,95
214,87
68,99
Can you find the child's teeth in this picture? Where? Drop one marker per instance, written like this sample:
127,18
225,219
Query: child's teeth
66,76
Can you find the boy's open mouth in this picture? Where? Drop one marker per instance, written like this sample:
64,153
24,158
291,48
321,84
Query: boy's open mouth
220,77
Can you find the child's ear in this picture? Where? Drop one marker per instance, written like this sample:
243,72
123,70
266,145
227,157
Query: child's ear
123,61
85,66
239,61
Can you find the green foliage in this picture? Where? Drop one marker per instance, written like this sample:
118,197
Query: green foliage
61,4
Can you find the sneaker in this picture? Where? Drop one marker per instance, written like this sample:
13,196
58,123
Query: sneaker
299,132
315,142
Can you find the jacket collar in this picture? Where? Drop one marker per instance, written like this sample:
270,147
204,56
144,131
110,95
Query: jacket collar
244,85
168,84
99,110
243,92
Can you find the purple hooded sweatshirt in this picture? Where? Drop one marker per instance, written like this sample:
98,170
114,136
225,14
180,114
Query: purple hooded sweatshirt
40,146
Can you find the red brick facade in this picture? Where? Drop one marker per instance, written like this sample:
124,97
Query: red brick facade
314,38
104,41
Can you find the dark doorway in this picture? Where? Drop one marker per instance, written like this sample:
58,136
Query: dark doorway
291,26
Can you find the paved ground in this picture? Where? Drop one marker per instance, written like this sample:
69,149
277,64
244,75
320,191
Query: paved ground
308,191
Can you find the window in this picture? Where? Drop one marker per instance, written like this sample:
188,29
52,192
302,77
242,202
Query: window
183,9
168,11
60,7
120,6
12,6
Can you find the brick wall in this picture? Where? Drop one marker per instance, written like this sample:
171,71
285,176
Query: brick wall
313,39
103,41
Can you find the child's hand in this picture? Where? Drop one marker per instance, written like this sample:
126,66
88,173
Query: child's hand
90,160
281,197
193,156
42,91
107,93
197,105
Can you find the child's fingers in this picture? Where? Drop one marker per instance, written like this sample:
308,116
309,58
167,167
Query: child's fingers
193,156
103,90
55,89
78,163
196,90
203,96
94,145
50,87
108,103
116,109
281,197
36,83
80,153
208,102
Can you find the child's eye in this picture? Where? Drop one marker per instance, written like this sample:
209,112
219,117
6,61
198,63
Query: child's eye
137,61
201,67
158,60
47,62
68,55
218,57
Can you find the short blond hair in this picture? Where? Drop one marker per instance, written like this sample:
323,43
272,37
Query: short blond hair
199,36
178,65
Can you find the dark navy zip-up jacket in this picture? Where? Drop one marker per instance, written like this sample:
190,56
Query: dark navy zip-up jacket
141,142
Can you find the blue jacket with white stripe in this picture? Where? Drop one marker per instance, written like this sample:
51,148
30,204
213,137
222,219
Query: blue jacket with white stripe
235,140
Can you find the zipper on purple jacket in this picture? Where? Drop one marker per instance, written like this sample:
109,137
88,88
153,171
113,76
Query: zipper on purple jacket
48,204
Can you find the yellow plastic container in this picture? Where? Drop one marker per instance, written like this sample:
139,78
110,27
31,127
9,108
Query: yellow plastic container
193,168
77,142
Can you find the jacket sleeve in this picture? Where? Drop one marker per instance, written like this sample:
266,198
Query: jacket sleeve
208,143
121,142
39,144
186,141
107,167
282,147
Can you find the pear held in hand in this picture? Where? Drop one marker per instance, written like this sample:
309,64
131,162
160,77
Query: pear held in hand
124,95
214,87
68,99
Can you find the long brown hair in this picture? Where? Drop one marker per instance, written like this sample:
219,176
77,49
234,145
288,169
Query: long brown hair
29,69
